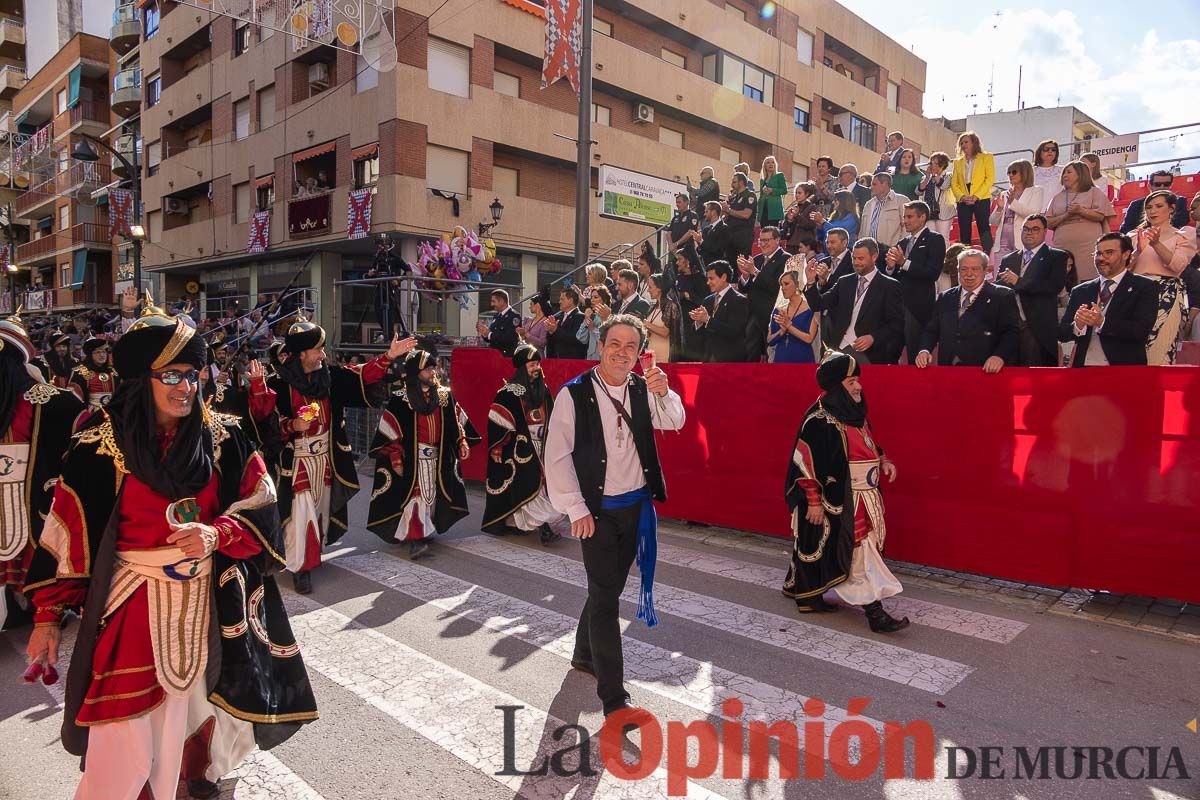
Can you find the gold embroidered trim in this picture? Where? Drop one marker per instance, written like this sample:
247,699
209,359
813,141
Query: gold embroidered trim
183,333
106,437
129,671
387,483
41,393
84,372
299,716
87,701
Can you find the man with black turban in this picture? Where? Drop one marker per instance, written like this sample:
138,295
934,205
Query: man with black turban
164,530
93,381
833,493
516,475
56,363
317,475
36,422
423,434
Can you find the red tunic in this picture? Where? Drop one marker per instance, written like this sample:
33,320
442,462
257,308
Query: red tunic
12,572
123,682
858,448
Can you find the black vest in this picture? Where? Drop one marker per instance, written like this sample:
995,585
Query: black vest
590,455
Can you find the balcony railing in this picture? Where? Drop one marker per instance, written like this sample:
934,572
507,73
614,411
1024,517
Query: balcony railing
127,79
89,111
126,12
12,28
82,235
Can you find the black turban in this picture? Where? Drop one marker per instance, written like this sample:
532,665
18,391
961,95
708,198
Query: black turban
524,354
835,368
93,344
304,335
154,342
418,360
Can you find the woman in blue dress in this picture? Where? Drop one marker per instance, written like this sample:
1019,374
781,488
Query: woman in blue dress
844,215
793,326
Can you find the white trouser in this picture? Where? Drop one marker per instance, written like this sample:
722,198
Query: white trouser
229,741
870,579
535,513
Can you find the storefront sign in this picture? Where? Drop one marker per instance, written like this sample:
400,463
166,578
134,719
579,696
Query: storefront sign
637,197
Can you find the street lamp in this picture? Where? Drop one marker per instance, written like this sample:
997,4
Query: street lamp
497,209
83,151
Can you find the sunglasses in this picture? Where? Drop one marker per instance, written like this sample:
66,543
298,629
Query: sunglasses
1160,186
174,377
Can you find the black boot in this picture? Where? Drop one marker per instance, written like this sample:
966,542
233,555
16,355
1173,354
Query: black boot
302,582
548,535
202,789
417,548
815,604
881,621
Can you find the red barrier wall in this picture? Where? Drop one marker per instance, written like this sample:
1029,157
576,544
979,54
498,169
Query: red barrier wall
1086,478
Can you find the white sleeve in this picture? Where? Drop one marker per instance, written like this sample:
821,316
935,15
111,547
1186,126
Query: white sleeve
562,484
667,413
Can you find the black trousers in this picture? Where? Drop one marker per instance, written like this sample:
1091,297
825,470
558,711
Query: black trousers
741,242
913,328
607,557
980,212
1032,352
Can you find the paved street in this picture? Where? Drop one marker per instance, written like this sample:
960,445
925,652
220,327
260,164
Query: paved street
409,661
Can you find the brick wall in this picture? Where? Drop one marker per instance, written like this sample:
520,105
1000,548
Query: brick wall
785,96
283,182
283,88
222,118
221,31
298,81
346,68
649,41
910,98
170,71
481,164
539,180
787,25
222,198
483,62
412,32
402,148
343,164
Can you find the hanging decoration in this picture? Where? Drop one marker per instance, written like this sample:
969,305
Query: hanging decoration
120,212
564,42
457,256
260,232
358,214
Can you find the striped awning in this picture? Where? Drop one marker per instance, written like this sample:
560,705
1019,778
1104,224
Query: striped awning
366,151
313,152
264,182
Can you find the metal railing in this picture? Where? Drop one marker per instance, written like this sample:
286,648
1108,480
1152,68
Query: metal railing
83,234
127,79
126,12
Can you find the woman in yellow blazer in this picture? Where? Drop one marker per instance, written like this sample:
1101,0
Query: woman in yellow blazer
972,179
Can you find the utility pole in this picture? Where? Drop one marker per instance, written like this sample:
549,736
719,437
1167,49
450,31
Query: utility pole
583,157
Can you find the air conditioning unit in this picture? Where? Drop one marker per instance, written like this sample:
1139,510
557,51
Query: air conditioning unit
173,205
318,75
644,112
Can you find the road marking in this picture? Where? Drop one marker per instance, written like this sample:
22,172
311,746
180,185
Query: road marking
887,661
453,710
920,612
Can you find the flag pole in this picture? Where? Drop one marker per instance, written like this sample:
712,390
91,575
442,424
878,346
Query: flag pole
583,162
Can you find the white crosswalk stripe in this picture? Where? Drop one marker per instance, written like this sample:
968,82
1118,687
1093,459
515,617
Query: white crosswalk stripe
887,661
449,708
919,612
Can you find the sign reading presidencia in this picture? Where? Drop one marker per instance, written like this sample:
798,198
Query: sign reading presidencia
1116,151
636,197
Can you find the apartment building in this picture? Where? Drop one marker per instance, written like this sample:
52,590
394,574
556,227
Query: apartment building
12,78
238,118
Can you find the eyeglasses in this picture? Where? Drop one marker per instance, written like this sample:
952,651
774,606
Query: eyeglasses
1166,185
1014,172
174,377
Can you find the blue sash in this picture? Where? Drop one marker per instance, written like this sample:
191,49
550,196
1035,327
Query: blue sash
647,546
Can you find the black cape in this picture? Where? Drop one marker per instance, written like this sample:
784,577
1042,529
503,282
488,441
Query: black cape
55,413
265,685
517,478
393,491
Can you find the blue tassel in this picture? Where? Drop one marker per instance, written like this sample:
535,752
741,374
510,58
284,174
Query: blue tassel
647,547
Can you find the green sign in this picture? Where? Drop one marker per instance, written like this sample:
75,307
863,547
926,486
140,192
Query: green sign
637,197
636,209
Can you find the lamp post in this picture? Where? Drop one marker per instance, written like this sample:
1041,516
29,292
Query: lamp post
497,209
85,152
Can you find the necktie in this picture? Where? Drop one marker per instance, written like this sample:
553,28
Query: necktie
875,217
965,304
1025,259
862,287
716,302
1106,291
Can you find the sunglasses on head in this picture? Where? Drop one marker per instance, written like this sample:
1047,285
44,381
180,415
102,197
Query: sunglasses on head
174,377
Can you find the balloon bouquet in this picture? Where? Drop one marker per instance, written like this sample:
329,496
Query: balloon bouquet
457,256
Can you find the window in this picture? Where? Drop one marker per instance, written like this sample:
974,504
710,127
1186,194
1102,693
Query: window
150,15
241,118
799,173
893,96
264,31
64,271
449,67
153,90
60,101
670,138
739,77
241,39
365,76
729,156
827,61
601,27
758,85
506,181
264,194
241,202
266,107
800,114
601,114
735,12
446,169
153,157
366,170
64,217
804,46
506,84
671,57
862,132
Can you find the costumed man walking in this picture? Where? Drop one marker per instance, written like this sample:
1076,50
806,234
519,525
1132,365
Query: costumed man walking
516,478
56,363
422,435
317,476
36,422
837,509
602,471
93,381
163,515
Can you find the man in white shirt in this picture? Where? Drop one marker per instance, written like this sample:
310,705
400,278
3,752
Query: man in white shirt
602,471
883,215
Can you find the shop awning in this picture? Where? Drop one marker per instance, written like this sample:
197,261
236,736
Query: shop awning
366,151
264,182
313,152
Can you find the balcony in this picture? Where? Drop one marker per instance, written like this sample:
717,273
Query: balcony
12,80
43,250
126,30
81,176
309,216
124,146
12,37
93,112
127,92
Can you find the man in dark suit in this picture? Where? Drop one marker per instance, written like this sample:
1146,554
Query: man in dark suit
714,234
628,300
502,332
889,160
1136,211
563,327
848,180
917,262
759,282
865,311
1037,273
832,267
975,324
1118,308
722,317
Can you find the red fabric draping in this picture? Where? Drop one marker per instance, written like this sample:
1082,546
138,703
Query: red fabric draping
1065,477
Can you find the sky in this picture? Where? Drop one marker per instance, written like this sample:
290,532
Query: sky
1128,71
